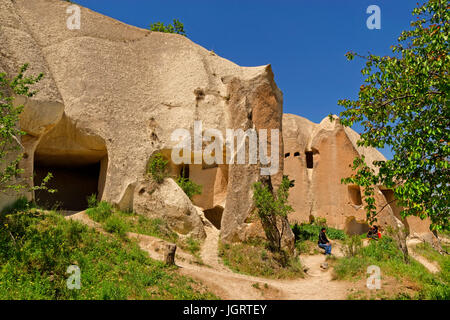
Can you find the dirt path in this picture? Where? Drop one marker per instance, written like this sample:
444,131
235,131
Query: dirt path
433,267
317,284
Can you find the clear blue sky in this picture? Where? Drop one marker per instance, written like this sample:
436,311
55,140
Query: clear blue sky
304,40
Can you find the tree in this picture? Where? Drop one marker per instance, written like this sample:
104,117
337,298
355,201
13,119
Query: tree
404,104
10,133
177,27
273,209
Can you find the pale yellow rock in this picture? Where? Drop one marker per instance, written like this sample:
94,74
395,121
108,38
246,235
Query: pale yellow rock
317,157
112,96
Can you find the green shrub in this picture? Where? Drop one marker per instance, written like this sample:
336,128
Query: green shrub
254,258
382,250
20,204
157,167
306,247
189,187
351,246
101,212
311,232
318,221
115,224
92,201
177,27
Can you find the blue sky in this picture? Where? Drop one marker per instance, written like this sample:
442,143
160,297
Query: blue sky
304,40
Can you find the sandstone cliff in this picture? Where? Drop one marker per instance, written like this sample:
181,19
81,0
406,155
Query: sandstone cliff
111,98
317,157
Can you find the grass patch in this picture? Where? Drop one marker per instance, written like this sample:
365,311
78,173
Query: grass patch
99,212
385,254
116,221
193,247
307,234
307,247
310,231
37,248
119,223
253,258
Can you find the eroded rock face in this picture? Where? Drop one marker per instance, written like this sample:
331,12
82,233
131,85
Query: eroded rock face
167,201
317,157
112,96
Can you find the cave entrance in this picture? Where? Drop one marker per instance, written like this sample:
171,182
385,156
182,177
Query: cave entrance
354,194
214,215
354,227
78,161
74,183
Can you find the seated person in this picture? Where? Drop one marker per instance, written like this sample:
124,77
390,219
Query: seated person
323,242
373,233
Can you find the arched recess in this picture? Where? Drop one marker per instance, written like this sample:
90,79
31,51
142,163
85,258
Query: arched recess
78,162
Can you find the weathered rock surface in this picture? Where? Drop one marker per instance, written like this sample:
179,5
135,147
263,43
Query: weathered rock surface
317,157
168,201
112,96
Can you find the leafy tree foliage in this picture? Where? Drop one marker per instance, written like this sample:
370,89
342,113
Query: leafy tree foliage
177,27
404,104
10,133
273,209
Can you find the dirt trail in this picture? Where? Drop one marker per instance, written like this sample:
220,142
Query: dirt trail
317,284
433,267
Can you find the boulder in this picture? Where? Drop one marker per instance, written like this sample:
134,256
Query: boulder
168,201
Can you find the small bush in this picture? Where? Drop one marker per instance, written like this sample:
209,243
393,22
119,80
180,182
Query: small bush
311,232
352,246
157,167
153,227
189,187
115,225
101,212
21,204
254,258
92,201
177,27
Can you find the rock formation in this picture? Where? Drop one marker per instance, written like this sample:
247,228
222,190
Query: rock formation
317,157
111,98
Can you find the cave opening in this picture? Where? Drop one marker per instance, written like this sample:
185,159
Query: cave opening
73,185
354,227
309,159
354,194
214,216
78,162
